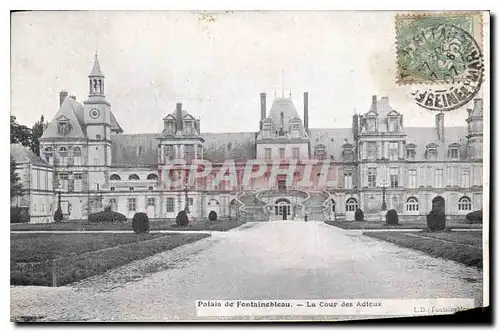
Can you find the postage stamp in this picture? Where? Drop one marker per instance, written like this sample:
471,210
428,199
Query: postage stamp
443,52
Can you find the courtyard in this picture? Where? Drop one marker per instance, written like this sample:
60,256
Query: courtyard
271,260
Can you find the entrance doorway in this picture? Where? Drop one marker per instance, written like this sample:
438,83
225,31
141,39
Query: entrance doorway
282,208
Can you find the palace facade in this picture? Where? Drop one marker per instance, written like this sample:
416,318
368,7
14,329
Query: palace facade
87,160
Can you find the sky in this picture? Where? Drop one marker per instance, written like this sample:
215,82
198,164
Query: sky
217,65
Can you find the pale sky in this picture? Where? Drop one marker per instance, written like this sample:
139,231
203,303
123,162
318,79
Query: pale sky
217,69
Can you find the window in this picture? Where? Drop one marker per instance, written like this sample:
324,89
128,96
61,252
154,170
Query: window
372,150
133,177
454,153
170,204
439,178
63,127
464,204
190,201
412,204
131,188
267,154
96,161
351,205
150,188
348,180
372,125
394,176
63,176
410,154
465,177
333,205
112,188
151,201
296,153
188,127
131,204
393,151
112,202
372,177
152,177
393,124
412,178
98,136
115,177
432,153
169,152
282,153
188,153
320,152
97,186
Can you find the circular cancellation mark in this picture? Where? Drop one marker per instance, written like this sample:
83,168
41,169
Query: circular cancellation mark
446,57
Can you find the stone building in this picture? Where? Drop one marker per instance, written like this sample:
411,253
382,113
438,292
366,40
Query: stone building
378,161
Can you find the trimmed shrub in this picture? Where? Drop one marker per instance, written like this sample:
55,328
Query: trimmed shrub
182,218
359,215
19,214
58,215
140,223
106,216
212,216
476,216
436,221
391,217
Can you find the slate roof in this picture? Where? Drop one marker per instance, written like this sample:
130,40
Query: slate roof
72,110
23,155
135,149
423,136
332,139
286,106
96,68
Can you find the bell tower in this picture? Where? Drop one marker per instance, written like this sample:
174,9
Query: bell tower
97,118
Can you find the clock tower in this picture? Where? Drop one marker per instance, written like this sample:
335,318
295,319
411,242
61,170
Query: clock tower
97,118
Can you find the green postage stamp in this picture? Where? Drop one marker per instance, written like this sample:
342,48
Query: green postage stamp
444,51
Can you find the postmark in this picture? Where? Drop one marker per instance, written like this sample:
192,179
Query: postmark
441,58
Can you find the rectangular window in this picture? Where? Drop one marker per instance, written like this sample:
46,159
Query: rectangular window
394,176
454,153
372,177
412,178
410,154
296,153
169,152
131,204
465,179
372,150
112,188
190,201
96,161
393,151
439,178
97,186
267,154
150,188
170,204
188,153
348,180
151,201
78,176
282,153
131,188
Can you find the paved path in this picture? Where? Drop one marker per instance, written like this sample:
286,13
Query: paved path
276,260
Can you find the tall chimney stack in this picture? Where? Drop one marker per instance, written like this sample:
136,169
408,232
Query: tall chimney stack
306,112
440,126
374,103
62,95
263,109
178,117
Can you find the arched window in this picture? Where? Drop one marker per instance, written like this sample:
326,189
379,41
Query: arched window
63,150
213,202
464,204
333,205
412,204
115,177
152,177
351,204
133,177
48,149
77,151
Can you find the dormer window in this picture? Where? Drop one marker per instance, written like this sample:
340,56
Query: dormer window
453,151
393,124
431,151
170,127
63,127
320,152
371,124
188,127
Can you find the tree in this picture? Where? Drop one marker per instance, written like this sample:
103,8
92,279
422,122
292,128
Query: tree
20,133
16,188
36,133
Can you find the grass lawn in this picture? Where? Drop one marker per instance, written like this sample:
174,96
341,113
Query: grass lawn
83,225
462,247
74,257
403,224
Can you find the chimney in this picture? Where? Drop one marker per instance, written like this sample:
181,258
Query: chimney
62,95
73,97
178,116
306,112
263,109
440,126
374,103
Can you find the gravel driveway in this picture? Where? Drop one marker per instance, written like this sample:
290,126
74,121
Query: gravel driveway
275,260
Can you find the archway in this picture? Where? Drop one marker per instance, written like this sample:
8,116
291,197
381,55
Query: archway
282,207
439,204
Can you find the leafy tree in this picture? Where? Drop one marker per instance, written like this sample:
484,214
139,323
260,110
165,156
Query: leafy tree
37,132
16,188
20,133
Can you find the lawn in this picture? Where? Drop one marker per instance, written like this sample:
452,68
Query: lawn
83,225
462,247
37,258
452,224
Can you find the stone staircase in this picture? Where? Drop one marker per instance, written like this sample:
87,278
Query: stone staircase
251,208
318,206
